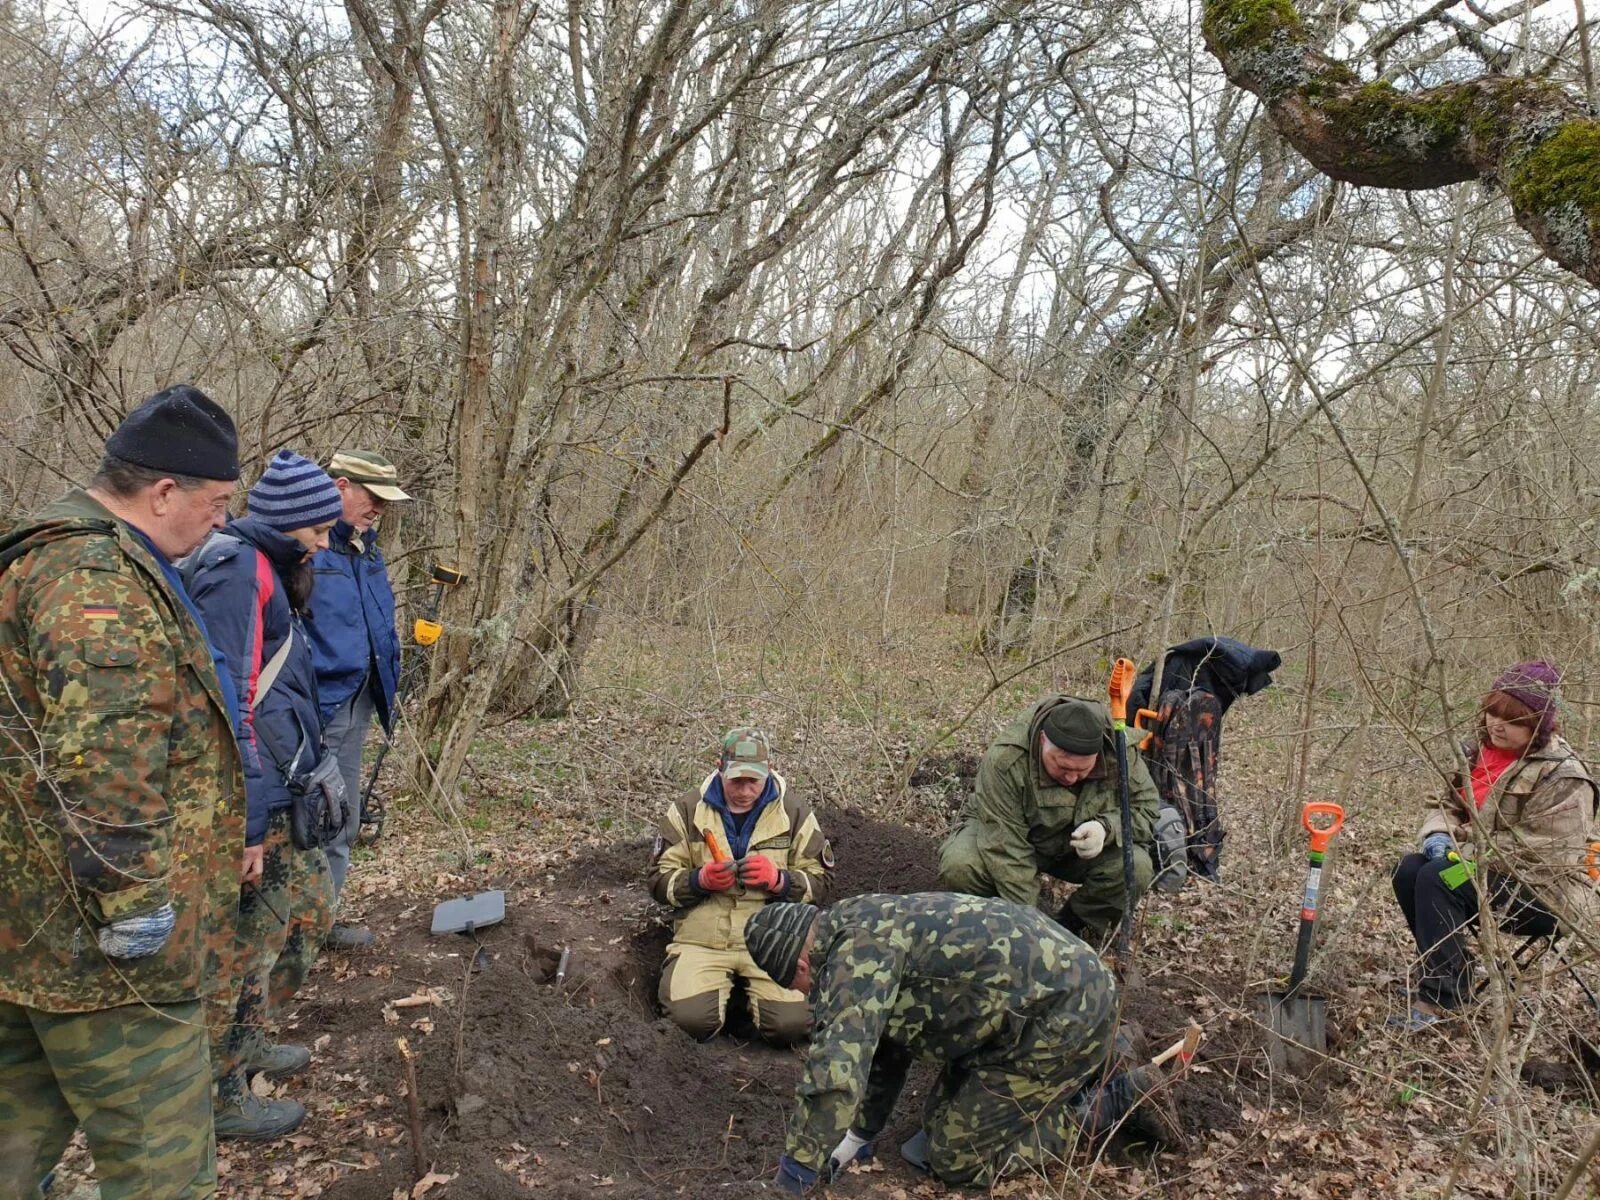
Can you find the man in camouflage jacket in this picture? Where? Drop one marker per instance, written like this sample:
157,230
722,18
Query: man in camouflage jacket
1046,800
124,833
772,851
1021,1014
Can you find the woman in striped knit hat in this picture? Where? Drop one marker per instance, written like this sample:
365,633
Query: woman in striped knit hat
252,583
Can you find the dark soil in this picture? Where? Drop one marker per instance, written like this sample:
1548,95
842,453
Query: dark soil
533,1089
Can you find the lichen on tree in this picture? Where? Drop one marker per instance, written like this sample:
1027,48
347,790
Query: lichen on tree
1527,137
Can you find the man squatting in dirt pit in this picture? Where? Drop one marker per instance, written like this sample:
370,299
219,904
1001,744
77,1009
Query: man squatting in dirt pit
1022,1015
123,843
772,851
1046,800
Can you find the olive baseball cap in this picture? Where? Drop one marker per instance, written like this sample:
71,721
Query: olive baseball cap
372,471
746,754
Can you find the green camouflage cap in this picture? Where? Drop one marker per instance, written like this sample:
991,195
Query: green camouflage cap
372,471
746,754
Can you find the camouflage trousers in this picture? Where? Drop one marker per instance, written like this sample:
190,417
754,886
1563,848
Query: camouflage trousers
1005,1109
136,1077
279,929
1101,894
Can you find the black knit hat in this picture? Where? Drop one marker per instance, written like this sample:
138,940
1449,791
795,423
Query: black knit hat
181,430
1077,726
775,936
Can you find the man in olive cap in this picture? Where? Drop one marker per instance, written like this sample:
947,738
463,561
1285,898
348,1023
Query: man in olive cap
1021,1015
354,643
123,841
740,842
1046,800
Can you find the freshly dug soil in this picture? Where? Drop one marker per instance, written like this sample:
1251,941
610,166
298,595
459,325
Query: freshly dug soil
532,1089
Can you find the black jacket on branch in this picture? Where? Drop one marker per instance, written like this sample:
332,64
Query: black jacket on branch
1222,666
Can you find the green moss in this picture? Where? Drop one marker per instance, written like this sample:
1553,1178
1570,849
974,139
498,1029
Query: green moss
1235,25
1397,125
1561,171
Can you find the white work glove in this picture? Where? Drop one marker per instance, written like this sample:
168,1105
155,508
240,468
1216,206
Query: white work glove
1089,839
853,1148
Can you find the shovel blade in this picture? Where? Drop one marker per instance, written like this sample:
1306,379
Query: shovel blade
1297,1030
469,912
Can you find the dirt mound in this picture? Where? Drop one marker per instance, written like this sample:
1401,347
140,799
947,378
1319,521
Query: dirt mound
530,1088
878,856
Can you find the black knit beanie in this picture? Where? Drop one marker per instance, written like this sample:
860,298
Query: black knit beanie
181,430
775,936
1077,726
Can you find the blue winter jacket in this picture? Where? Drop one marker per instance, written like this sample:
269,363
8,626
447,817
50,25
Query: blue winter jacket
352,628
236,581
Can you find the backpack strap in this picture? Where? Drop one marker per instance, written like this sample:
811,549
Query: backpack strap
270,672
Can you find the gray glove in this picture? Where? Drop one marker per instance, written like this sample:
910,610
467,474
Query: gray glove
138,937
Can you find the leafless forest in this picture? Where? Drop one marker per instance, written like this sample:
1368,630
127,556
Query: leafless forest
833,331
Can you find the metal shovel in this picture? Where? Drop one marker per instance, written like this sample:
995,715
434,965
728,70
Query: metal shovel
1297,1022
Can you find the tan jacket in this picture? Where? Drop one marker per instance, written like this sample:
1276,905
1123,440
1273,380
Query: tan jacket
1539,819
787,832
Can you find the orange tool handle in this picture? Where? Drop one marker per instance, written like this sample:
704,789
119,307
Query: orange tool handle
1122,673
718,854
1144,731
1591,860
1321,837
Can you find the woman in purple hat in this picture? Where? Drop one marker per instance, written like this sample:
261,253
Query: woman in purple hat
1521,823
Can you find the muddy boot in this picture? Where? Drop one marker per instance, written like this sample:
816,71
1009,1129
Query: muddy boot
348,937
915,1151
1137,1103
251,1118
262,1057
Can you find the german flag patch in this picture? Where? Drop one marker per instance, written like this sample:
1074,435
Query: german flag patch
101,612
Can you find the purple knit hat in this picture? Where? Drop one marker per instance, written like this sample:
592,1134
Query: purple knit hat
1534,684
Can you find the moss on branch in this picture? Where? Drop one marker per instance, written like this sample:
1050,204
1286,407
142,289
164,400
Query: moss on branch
1526,136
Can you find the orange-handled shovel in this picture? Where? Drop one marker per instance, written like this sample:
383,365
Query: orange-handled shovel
1120,685
1299,1023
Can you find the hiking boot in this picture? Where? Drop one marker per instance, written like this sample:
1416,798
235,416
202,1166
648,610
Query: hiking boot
275,1061
1137,1103
254,1119
348,937
915,1151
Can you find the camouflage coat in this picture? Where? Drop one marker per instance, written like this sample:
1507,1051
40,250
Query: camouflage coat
1539,819
786,831
1025,819
118,768
957,979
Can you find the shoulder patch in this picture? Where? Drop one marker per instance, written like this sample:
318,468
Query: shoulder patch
658,849
827,855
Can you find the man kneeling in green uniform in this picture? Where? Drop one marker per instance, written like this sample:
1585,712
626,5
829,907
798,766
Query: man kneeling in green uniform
1021,1013
1046,800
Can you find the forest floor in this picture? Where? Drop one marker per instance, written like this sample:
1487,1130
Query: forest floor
530,1089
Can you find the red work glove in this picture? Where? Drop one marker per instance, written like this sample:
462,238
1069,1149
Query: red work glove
715,877
759,871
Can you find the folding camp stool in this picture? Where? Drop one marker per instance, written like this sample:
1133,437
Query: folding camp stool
1536,946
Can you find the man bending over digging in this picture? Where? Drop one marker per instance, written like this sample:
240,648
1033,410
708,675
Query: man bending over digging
1021,1014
